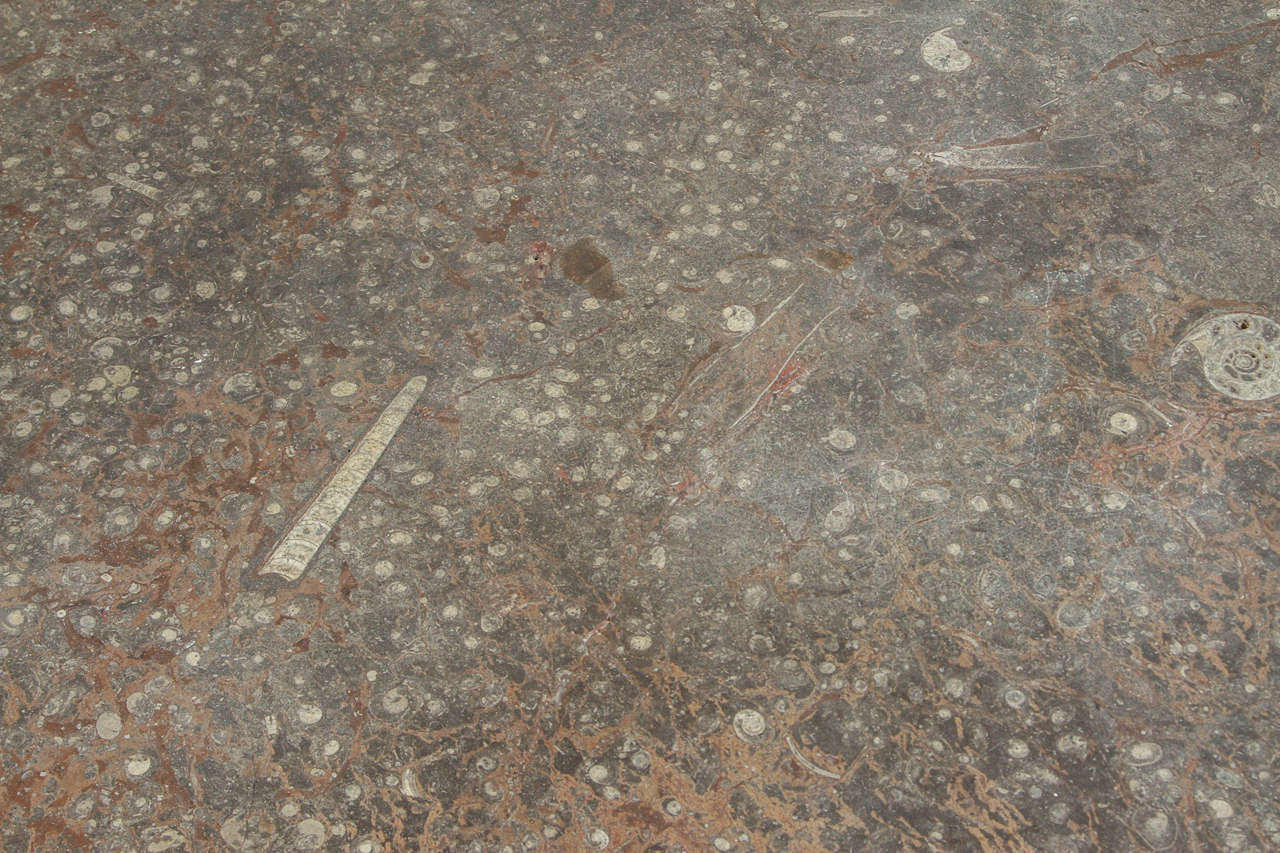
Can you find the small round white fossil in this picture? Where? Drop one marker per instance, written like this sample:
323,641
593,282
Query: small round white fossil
739,319
841,439
640,642
750,725
1143,753
109,725
137,765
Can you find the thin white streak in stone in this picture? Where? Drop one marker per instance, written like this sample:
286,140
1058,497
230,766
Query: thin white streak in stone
137,186
293,553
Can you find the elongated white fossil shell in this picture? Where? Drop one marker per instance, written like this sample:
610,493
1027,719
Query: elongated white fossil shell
294,551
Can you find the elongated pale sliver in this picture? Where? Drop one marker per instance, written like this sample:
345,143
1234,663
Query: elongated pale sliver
807,764
849,13
293,553
137,186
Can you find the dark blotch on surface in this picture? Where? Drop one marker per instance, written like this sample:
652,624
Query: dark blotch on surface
584,264
829,258
566,758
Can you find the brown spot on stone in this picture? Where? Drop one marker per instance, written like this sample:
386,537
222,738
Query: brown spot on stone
288,358
498,233
15,64
491,233
520,170
584,264
475,338
61,87
832,259
457,279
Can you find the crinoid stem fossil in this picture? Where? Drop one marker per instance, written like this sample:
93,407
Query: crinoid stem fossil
293,553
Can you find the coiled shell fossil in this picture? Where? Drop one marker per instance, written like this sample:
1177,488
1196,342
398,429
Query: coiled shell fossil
1240,354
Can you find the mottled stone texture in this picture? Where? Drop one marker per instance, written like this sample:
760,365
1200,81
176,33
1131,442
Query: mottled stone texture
814,456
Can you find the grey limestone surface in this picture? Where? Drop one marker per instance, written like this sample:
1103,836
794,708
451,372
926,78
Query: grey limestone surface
842,427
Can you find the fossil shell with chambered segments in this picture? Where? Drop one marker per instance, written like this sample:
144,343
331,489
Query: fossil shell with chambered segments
1240,354
750,725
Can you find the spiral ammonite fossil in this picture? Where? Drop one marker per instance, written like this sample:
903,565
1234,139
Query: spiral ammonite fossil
1240,354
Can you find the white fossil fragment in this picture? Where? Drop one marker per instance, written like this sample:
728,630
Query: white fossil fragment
294,551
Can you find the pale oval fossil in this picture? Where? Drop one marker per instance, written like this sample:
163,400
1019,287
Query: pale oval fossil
1143,753
943,53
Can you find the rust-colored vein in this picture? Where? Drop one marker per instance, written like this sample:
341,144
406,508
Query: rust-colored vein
26,58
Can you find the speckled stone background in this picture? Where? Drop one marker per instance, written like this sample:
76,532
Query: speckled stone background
808,461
